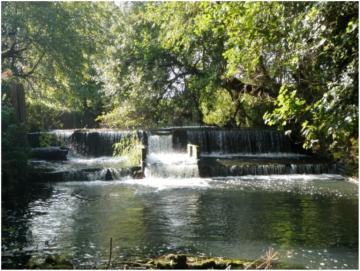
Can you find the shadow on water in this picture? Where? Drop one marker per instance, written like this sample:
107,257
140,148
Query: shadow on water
15,209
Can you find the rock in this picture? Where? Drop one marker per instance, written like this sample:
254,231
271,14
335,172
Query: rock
50,262
181,261
50,153
216,263
108,175
137,172
171,261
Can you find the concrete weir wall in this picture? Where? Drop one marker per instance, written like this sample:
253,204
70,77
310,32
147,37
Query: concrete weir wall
196,151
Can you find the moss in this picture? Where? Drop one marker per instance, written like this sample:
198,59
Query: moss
216,263
181,261
50,262
168,261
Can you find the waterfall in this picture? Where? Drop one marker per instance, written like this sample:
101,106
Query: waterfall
160,144
163,161
88,143
225,141
215,169
229,152
223,152
90,155
51,138
62,135
82,174
315,168
95,143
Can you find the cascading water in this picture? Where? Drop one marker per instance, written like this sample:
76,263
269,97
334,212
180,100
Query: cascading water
95,143
163,161
223,152
89,158
171,213
87,143
236,152
231,141
160,144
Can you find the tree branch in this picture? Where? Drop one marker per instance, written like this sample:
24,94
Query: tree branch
12,52
23,75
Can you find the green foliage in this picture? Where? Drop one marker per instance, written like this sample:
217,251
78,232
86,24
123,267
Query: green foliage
254,107
49,48
42,115
129,147
324,109
219,109
289,108
47,140
234,62
144,64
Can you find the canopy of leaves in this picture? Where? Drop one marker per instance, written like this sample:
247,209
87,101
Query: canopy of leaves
48,47
293,65
233,61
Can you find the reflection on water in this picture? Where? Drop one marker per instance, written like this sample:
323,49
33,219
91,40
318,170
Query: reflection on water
311,222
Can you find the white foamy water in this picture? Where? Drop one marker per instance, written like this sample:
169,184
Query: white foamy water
102,160
170,183
288,177
169,158
254,155
81,162
65,133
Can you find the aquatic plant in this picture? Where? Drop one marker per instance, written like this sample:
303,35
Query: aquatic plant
130,147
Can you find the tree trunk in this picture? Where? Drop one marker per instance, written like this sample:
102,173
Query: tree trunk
18,101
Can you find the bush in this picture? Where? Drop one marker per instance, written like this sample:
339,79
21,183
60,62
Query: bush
129,147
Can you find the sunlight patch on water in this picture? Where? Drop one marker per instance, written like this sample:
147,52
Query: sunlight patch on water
290,177
170,183
51,218
322,184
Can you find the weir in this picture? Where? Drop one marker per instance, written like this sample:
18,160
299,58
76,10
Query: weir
229,152
184,152
230,141
87,143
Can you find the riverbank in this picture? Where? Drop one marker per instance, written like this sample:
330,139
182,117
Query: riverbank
171,261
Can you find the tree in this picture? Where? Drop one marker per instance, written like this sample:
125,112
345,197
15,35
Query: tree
320,105
293,65
48,48
233,62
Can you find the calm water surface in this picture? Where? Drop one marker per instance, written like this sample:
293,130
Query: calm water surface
309,220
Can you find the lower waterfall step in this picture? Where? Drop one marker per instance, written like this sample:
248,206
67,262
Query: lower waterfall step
87,174
226,167
172,171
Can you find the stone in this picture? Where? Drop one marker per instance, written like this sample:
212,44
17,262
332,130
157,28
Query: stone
171,261
49,262
108,175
